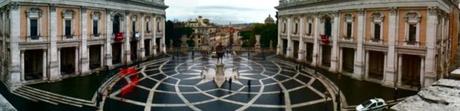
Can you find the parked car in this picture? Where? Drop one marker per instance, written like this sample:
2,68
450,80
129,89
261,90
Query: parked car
376,104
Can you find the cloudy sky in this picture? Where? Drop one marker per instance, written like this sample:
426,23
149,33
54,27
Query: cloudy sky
221,11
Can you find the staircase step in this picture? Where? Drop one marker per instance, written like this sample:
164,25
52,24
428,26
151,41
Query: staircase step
25,97
28,95
51,98
57,96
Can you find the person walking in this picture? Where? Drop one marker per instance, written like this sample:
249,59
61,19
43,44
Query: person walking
230,83
249,86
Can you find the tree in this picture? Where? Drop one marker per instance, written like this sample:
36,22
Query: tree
268,32
174,31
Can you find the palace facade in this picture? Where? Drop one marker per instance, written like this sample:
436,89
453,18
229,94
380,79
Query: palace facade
398,43
43,40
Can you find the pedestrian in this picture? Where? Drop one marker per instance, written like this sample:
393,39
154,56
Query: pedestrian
98,98
395,96
249,85
230,83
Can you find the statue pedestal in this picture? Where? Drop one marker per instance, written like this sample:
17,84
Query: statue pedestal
258,49
220,75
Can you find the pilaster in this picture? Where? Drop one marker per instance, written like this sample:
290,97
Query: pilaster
301,52
141,50
316,41
14,77
430,61
55,74
290,44
127,46
109,37
390,76
335,46
279,49
155,45
359,58
84,60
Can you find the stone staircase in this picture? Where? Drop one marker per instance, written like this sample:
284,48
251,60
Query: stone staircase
36,95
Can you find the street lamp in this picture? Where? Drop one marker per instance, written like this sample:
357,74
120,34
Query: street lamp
262,50
326,95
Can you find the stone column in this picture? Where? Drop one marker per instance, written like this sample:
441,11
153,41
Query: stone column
279,49
14,77
109,37
44,64
316,41
127,46
155,45
301,53
141,51
359,58
430,61
335,46
390,72
84,60
290,45
54,72
22,65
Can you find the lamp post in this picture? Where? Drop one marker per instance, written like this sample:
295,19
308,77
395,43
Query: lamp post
326,95
262,50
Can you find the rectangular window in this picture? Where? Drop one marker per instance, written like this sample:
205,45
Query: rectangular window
309,28
284,27
296,28
412,34
34,29
376,32
158,27
147,27
68,28
349,29
95,27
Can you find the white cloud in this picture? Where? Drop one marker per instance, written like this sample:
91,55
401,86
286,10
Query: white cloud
221,11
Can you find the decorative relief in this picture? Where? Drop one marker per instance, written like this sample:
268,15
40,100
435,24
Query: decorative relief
34,13
413,17
377,17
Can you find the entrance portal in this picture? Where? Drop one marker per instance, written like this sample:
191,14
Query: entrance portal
133,50
376,64
33,64
158,45
309,51
285,43
68,61
147,47
348,59
296,49
326,55
116,53
411,70
95,56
